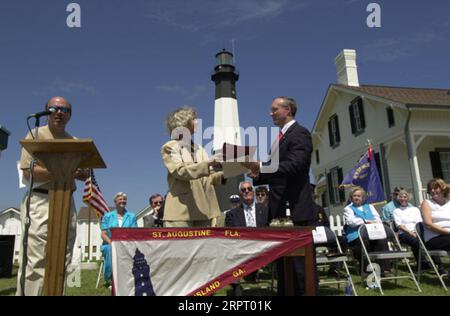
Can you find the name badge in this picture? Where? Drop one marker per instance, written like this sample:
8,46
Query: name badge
376,231
319,235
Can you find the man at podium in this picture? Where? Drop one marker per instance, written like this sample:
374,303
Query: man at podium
30,277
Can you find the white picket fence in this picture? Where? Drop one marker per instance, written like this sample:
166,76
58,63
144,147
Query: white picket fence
83,249
337,224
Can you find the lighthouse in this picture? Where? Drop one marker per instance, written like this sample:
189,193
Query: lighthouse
226,117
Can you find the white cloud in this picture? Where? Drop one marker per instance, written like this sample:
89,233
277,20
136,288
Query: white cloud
187,93
195,15
392,49
62,86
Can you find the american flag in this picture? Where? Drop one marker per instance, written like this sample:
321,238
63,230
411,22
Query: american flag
93,197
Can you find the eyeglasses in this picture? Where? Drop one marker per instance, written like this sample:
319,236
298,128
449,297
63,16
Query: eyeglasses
59,108
157,202
249,189
260,194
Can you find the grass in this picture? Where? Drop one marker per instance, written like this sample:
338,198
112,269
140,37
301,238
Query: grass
429,283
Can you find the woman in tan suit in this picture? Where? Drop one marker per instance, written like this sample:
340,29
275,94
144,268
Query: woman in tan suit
191,200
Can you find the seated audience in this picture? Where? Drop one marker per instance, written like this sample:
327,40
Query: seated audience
262,195
436,216
155,215
356,214
387,214
406,217
247,214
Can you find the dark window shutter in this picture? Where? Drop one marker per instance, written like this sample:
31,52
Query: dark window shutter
341,191
361,113
380,173
378,162
352,118
330,188
330,134
390,116
338,134
436,166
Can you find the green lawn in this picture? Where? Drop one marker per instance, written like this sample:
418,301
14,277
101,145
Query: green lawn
429,283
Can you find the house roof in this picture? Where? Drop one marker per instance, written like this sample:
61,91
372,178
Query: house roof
423,97
10,209
406,95
143,212
83,214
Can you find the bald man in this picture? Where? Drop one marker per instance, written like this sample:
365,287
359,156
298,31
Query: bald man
30,277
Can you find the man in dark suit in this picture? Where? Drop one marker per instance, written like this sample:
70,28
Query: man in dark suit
247,214
287,174
156,213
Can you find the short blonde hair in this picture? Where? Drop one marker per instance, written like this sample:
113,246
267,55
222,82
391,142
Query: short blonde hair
119,194
353,190
181,117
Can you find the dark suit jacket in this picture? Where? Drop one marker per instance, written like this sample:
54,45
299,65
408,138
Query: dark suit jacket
291,181
150,221
236,216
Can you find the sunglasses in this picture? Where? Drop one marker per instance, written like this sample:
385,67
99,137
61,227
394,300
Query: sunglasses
249,189
157,202
55,109
260,194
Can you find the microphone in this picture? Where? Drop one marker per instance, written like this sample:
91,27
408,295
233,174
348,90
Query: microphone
43,113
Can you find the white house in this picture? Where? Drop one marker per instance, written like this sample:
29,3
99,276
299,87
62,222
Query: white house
10,225
409,129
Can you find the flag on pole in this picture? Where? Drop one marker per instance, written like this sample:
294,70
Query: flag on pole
93,197
194,261
365,174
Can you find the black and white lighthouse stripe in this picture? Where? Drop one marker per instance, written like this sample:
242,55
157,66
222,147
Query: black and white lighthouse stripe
226,115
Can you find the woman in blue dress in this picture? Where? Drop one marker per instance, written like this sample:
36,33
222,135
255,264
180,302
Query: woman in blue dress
119,217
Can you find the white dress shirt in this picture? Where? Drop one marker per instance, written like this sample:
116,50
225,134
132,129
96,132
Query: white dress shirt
268,169
250,214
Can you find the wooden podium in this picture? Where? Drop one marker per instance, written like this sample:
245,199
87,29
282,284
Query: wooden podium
61,157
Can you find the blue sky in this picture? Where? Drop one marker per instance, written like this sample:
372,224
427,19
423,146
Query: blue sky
132,62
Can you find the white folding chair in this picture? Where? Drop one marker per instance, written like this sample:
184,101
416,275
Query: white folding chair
100,274
395,254
429,254
327,259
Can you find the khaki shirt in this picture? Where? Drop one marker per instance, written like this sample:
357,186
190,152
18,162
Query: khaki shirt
25,159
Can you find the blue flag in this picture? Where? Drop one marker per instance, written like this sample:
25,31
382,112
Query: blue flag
365,175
